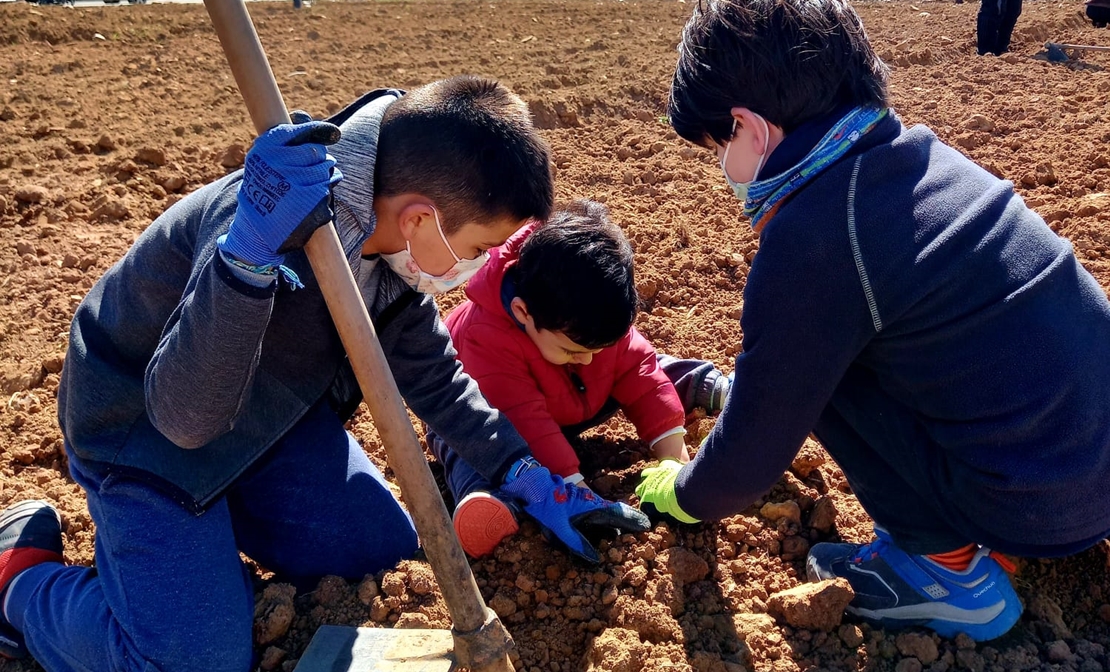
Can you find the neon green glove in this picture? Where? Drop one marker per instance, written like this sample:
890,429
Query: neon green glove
657,489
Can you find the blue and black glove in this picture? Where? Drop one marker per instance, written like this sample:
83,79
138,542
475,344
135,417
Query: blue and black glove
285,193
564,510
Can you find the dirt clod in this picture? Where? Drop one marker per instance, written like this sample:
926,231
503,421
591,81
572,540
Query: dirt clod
814,606
908,665
682,565
367,590
151,155
330,591
616,650
1048,611
775,511
1059,651
273,613
653,622
393,584
851,635
31,193
919,645
272,658
823,516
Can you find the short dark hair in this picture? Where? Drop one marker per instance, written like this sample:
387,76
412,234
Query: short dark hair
469,145
787,60
575,276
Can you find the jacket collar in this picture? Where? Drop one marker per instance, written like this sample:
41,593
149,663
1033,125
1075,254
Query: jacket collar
356,154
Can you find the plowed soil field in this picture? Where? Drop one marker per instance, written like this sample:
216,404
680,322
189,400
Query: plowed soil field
110,114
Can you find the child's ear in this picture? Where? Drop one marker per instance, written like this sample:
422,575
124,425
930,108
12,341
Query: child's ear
762,132
520,310
411,216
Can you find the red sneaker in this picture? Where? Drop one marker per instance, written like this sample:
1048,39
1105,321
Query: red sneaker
481,522
30,534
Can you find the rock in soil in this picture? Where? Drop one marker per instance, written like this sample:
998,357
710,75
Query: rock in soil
813,606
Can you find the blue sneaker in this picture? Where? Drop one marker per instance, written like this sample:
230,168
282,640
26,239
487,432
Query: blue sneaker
897,590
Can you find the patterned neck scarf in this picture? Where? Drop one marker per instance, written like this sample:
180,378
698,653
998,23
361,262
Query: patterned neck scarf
764,196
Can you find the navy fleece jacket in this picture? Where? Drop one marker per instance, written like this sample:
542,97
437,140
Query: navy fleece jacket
907,279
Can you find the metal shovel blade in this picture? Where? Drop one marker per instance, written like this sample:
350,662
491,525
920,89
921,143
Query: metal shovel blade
1055,53
342,649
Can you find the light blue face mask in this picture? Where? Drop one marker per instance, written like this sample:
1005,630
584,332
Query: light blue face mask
740,189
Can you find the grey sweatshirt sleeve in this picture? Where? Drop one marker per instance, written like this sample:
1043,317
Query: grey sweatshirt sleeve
196,381
422,358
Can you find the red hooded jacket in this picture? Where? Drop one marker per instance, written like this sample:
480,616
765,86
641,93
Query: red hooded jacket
540,398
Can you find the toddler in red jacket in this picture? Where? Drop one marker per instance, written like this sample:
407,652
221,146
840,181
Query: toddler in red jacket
547,334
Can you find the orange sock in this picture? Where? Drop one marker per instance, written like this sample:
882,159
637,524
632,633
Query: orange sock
1007,564
956,560
959,559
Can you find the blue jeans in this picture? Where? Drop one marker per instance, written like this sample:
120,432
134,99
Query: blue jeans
169,592
693,380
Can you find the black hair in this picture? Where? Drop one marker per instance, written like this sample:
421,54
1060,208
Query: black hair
575,276
787,60
469,145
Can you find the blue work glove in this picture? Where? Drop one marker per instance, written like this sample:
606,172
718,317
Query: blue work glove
284,195
656,490
564,510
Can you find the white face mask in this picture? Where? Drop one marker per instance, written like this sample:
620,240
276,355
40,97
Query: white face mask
403,264
741,188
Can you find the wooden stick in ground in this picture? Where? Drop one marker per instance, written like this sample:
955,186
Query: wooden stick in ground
481,641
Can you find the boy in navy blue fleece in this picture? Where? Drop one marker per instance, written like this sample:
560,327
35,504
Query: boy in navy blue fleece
908,309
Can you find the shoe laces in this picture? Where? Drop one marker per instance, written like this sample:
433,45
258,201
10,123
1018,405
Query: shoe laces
870,551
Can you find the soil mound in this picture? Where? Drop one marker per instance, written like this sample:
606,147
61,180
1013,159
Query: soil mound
110,114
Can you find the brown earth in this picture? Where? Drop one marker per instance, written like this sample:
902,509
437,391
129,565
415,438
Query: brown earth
108,115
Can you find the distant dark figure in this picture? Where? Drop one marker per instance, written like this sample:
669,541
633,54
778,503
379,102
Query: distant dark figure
1098,11
997,19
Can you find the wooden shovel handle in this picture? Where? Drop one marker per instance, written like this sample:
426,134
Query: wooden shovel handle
452,571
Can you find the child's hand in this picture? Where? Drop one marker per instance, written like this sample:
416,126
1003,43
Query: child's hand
671,447
563,510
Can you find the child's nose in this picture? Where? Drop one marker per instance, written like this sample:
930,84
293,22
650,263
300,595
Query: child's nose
584,358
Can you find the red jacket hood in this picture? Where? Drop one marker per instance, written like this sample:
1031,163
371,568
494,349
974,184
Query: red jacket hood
484,288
